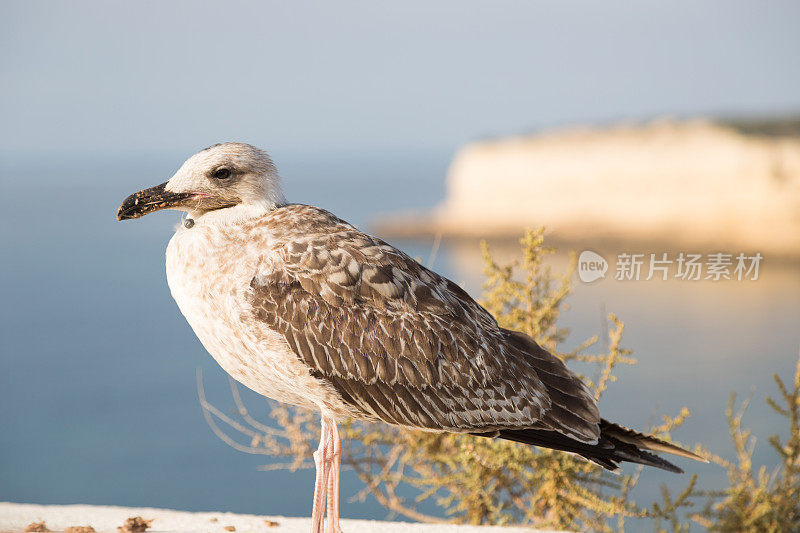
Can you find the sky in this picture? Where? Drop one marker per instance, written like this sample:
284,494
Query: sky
95,77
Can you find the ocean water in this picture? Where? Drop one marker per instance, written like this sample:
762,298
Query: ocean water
97,366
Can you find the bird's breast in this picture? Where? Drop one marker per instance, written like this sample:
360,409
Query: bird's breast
208,280
209,276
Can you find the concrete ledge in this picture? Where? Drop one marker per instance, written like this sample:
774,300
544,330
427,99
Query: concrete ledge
16,516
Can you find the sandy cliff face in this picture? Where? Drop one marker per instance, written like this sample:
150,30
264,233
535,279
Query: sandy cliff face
688,184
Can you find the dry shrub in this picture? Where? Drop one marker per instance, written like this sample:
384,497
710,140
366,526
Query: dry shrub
757,499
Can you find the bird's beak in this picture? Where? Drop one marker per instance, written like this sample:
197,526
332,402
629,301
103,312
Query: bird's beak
149,200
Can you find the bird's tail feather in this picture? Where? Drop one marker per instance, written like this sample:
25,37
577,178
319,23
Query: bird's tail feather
616,444
647,442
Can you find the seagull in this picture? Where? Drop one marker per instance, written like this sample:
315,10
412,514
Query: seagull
302,307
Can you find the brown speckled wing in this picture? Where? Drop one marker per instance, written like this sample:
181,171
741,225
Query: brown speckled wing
401,343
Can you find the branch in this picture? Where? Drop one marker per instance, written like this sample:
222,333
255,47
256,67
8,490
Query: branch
208,409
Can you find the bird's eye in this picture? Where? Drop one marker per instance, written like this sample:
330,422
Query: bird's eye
222,173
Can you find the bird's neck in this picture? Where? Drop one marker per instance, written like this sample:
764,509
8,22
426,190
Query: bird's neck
234,215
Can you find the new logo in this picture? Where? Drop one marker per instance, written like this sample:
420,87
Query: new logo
591,266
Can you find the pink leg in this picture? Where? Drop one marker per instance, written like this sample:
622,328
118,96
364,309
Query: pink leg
321,482
332,523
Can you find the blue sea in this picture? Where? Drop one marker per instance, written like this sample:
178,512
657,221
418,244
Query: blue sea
97,366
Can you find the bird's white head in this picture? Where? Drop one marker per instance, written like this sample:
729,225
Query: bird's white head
225,181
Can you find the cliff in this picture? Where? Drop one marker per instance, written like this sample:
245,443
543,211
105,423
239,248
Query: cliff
689,184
